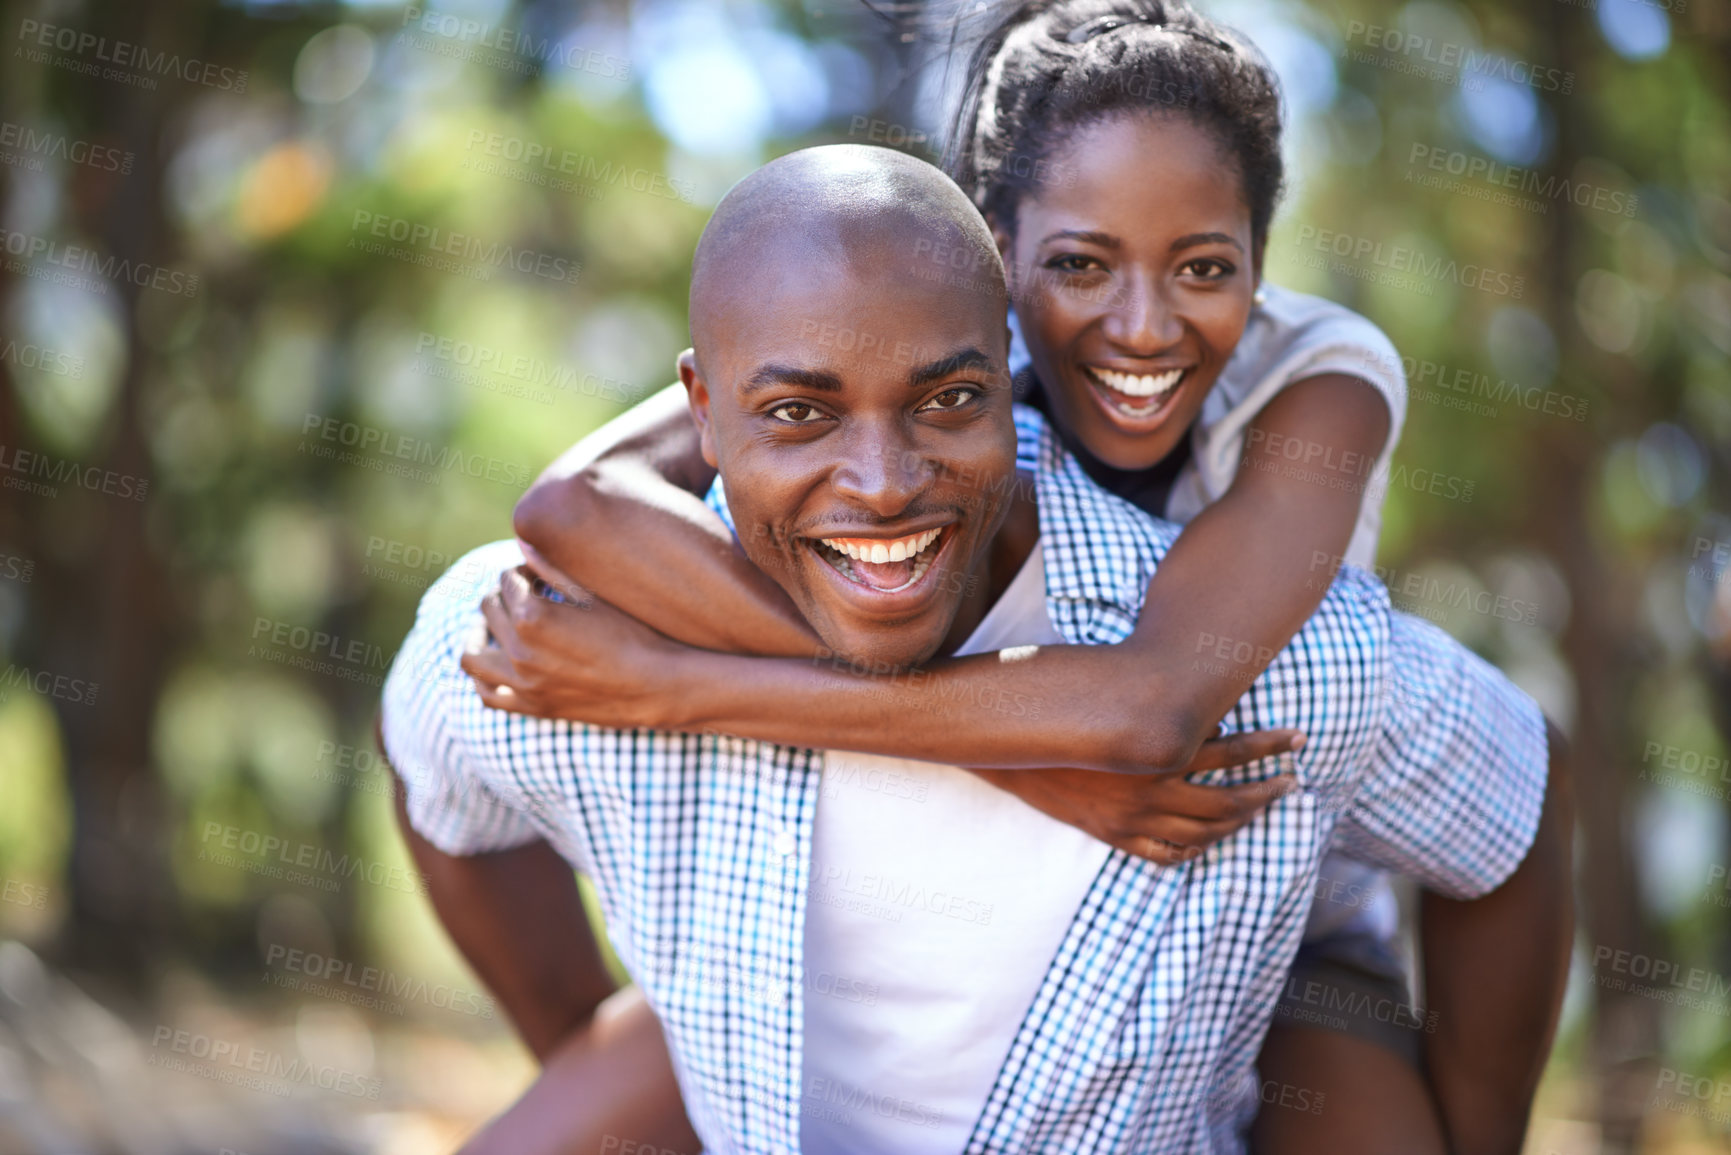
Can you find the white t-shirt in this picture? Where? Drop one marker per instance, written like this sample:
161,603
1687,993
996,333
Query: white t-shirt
1292,336
937,903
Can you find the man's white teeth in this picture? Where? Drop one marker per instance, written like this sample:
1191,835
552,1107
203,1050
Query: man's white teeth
879,552
1134,385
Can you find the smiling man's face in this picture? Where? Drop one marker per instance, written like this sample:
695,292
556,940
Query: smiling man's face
860,417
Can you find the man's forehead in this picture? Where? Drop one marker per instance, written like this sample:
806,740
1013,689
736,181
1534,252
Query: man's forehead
865,270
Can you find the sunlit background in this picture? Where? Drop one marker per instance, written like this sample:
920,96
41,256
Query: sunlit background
286,325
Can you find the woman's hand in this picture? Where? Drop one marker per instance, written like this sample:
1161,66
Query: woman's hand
1160,817
579,659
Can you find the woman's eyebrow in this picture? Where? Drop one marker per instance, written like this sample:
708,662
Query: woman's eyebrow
1186,242
1088,236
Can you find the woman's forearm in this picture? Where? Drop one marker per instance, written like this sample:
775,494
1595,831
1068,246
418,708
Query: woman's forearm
621,515
1090,707
671,563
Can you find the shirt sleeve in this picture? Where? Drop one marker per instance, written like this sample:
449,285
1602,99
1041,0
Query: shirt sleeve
448,803
1455,788
1291,337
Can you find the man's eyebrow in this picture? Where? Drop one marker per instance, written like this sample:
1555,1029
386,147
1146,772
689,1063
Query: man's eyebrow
1087,236
1192,239
969,358
772,374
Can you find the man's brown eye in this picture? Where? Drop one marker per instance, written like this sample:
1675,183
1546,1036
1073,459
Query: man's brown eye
950,399
795,414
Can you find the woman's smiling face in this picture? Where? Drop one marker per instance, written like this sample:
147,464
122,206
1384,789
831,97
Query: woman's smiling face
1132,273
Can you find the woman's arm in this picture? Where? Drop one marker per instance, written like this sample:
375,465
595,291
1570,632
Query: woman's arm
1241,579
637,484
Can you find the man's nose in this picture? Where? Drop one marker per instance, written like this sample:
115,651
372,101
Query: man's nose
1140,320
883,472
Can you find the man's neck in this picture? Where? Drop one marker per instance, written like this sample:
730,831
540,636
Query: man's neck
1003,559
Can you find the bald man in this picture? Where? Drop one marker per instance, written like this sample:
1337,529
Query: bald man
853,970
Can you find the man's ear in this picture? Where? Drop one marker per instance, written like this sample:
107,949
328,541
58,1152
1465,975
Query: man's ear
697,394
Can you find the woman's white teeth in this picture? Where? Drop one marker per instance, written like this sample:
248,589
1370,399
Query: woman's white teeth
1135,385
880,552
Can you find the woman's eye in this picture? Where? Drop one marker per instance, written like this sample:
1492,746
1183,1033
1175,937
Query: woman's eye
795,414
1073,263
1209,269
950,399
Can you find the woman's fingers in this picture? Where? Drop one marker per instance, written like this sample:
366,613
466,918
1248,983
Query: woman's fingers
501,628
1224,803
1199,834
488,666
502,698
1241,749
1156,850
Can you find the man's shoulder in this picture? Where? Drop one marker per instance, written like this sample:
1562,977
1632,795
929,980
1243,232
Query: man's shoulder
449,611
459,590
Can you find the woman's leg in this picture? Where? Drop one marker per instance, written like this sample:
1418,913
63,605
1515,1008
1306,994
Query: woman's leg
1342,1068
1329,1093
1495,972
608,1089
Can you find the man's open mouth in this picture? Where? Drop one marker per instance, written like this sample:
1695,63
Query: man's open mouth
1135,395
884,564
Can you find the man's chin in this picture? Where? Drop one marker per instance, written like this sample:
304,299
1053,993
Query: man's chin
881,650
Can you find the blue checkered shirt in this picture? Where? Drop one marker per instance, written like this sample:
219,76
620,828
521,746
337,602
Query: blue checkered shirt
1144,1033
